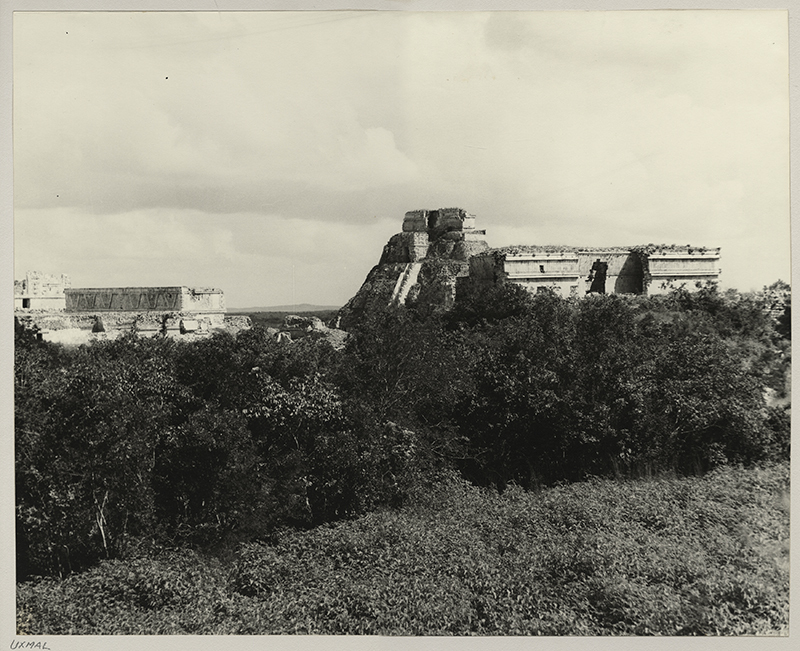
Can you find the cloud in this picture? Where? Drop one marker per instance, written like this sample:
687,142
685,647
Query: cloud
114,125
253,257
134,239
252,129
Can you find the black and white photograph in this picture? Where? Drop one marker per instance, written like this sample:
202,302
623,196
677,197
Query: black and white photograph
411,322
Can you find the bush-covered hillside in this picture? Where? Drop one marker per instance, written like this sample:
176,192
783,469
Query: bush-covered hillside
129,446
695,556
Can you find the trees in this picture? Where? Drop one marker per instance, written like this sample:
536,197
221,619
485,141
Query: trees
518,418
606,351
695,406
607,385
401,379
478,304
207,481
86,431
210,442
402,368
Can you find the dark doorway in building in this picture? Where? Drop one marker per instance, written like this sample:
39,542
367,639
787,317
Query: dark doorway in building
433,219
631,276
26,303
597,276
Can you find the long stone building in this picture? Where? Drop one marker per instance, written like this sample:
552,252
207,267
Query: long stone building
576,271
203,300
63,312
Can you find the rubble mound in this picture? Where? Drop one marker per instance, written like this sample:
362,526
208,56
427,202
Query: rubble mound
82,327
298,327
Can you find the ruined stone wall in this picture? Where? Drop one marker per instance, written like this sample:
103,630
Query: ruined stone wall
456,248
453,219
440,219
123,321
37,283
405,247
415,221
417,245
56,303
80,328
202,299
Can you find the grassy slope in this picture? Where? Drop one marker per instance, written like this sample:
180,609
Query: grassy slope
663,556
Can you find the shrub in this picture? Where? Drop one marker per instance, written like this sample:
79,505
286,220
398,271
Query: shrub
84,453
487,304
664,556
208,480
603,385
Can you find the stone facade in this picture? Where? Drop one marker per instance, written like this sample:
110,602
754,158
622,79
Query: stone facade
575,271
436,222
443,233
40,291
669,267
204,300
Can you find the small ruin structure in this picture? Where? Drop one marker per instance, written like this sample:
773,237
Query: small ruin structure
40,291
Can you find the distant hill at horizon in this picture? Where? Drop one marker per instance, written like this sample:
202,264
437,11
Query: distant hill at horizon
301,307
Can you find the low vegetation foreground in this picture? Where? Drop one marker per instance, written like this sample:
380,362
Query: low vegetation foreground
694,556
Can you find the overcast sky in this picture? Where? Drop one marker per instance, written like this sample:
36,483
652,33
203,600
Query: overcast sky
273,154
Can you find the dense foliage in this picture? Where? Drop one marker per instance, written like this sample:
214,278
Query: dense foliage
140,444
144,440
606,385
692,556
